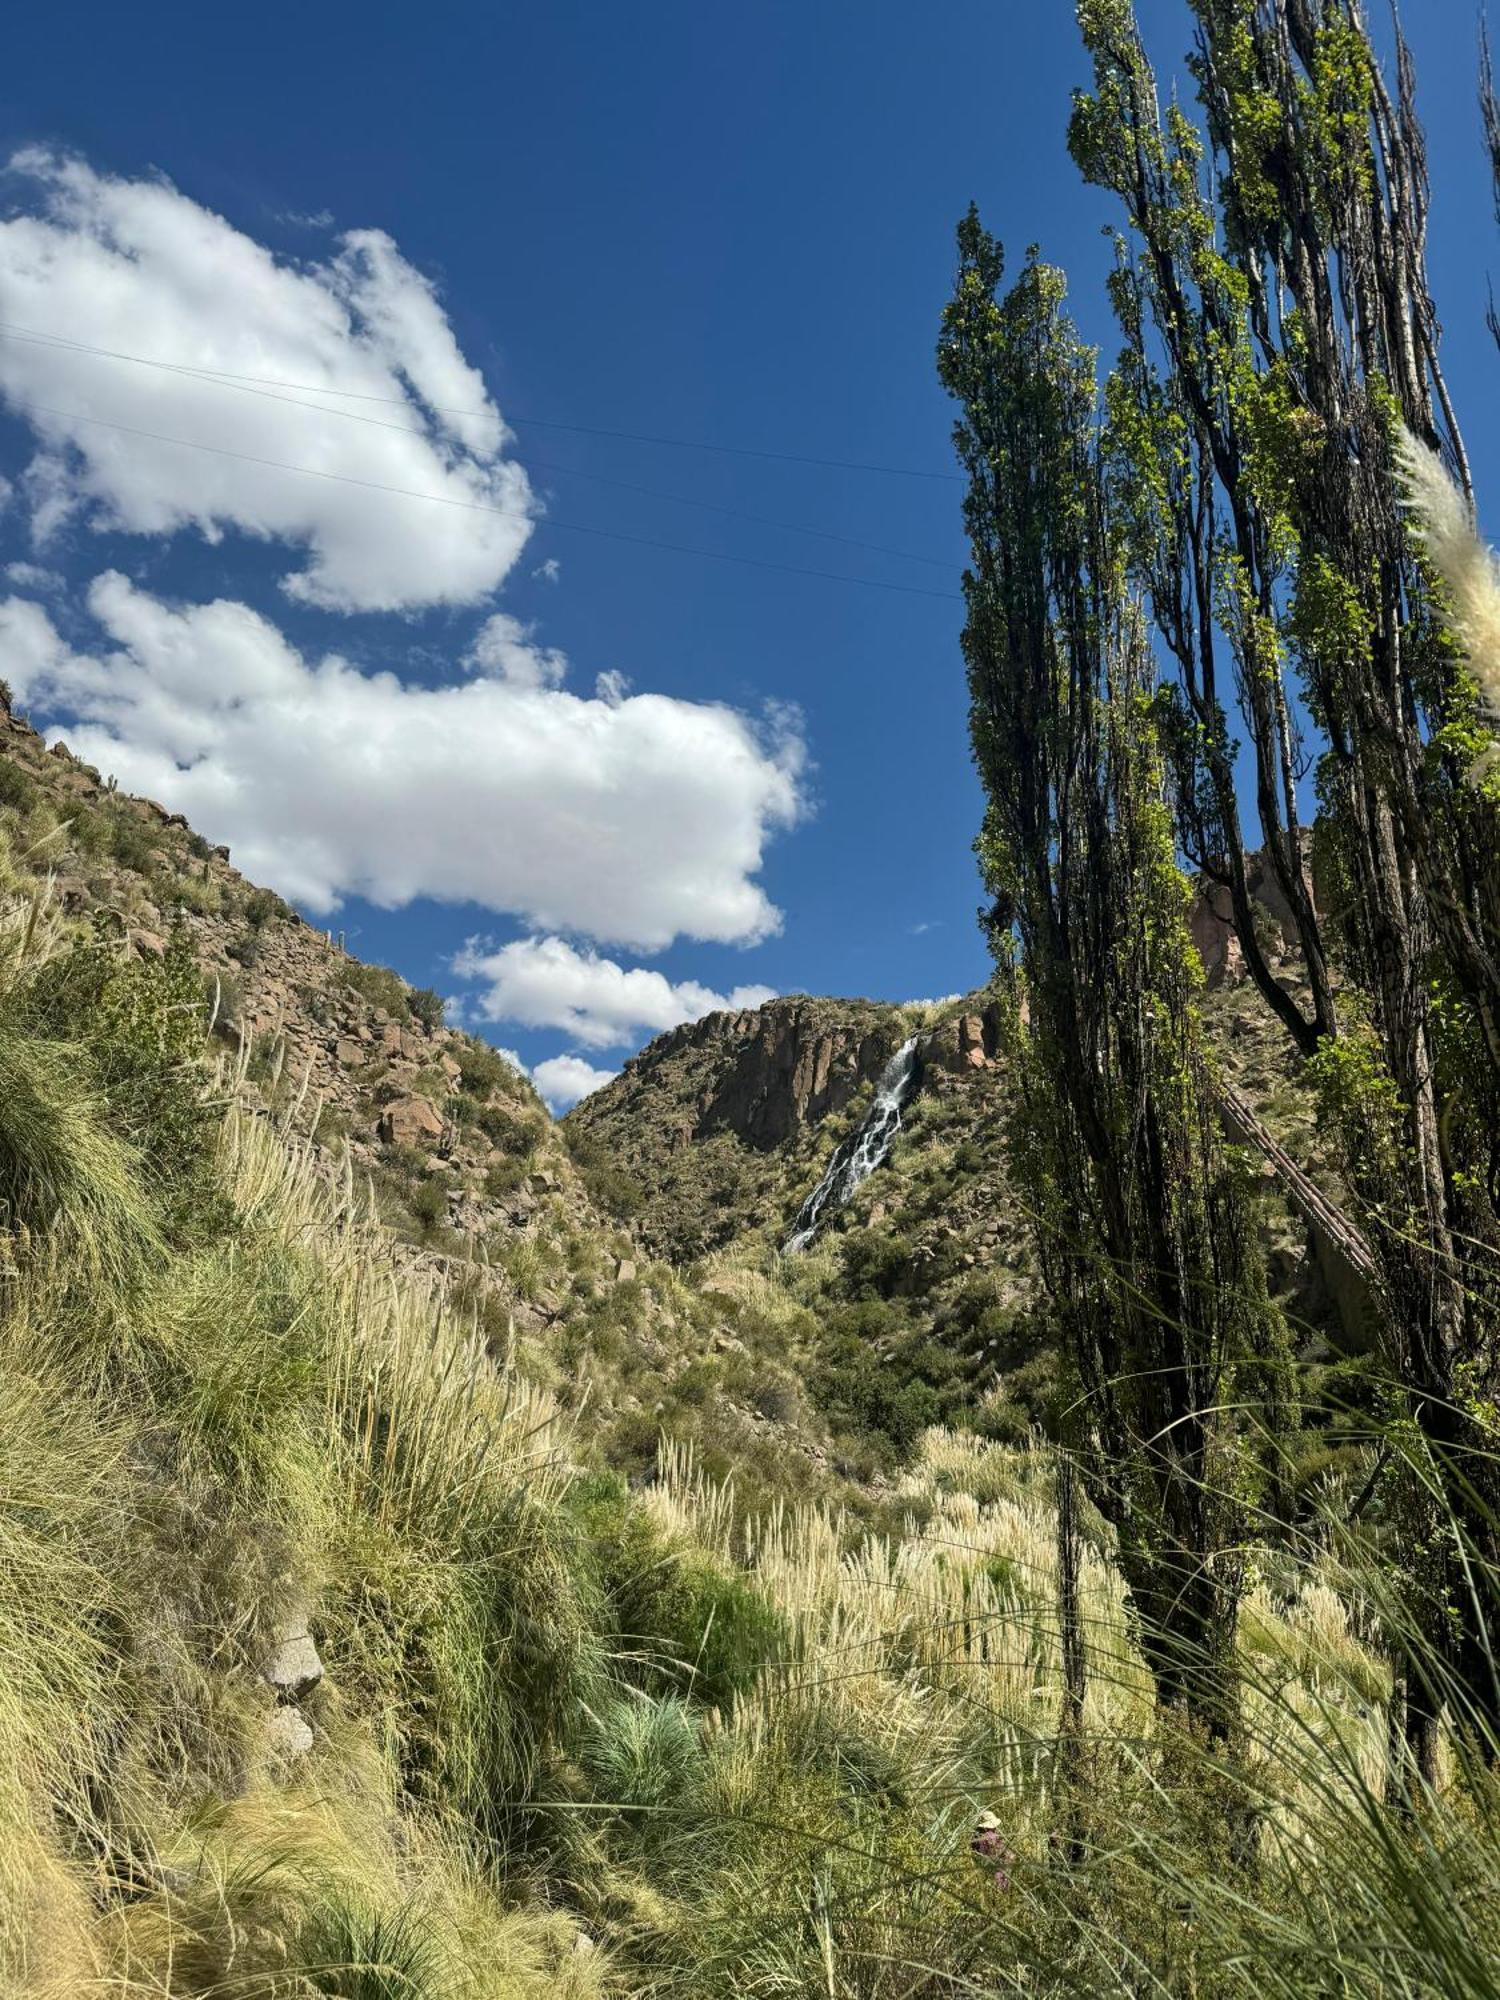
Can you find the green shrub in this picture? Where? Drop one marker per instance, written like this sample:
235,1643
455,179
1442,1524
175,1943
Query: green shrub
510,1130
61,1167
684,1624
17,790
428,1203
642,1756
262,906
129,842
353,1952
503,1177
875,1262
141,1022
379,985
878,1378
199,893
426,1006
610,1187
88,831
483,1070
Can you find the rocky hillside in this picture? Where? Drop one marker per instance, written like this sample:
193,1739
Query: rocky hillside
407,1602
454,1140
717,1132
710,1124
446,1141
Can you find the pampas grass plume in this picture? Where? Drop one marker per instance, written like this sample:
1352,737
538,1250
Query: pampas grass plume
1469,570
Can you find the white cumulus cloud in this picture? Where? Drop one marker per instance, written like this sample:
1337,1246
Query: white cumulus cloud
633,822
545,982
503,648
135,266
563,1080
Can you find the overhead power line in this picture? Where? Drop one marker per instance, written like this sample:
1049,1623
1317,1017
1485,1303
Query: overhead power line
505,513
13,331
240,385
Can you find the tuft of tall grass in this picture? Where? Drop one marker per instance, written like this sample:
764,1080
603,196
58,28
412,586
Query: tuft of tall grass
65,1178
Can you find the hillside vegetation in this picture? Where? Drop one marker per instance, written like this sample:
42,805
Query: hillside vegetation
337,1657
550,1736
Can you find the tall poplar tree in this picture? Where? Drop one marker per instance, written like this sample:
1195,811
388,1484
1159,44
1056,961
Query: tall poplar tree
1150,1262
1279,335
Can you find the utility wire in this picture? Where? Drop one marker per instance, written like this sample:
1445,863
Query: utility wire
245,386
505,513
12,331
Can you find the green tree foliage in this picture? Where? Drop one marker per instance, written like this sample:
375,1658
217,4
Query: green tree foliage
1145,1245
1279,332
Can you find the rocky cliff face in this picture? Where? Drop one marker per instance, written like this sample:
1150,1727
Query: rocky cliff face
711,1120
771,1071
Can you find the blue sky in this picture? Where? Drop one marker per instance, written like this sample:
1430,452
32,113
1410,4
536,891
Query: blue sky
727,225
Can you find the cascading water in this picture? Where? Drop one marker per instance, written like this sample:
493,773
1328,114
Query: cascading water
863,1151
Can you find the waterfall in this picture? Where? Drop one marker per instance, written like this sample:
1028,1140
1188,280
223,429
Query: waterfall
863,1151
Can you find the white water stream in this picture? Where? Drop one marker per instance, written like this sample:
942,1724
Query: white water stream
863,1151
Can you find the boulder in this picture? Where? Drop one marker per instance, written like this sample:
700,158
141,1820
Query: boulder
410,1121
293,1668
1211,927
971,1042
348,1052
625,1270
287,1735
147,944
944,1048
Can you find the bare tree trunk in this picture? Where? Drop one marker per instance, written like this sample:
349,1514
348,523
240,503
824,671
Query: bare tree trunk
1068,1788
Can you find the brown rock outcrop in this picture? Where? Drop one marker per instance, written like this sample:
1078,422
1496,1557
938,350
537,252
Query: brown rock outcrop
410,1121
1211,927
792,1067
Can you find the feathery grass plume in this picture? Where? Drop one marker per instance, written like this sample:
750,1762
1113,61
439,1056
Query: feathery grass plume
1470,572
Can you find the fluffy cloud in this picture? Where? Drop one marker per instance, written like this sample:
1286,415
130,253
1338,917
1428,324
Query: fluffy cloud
546,983
504,650
32,576
88,254
631,821
563,1080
